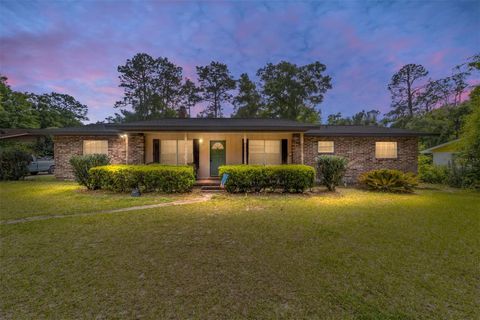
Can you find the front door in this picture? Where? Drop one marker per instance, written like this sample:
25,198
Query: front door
217,156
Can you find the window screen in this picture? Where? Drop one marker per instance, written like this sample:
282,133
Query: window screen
265,152
95,147
172,152
385,150
325,147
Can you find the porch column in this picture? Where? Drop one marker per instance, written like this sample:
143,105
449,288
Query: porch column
301,148
185,149
245,147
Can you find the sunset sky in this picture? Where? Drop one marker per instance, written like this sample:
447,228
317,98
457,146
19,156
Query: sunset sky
75,47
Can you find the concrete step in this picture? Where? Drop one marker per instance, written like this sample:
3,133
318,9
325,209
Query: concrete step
216,188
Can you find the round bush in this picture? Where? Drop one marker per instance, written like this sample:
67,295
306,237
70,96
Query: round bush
331,170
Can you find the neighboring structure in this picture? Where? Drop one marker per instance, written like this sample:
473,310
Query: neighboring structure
22,135
210,143
444,153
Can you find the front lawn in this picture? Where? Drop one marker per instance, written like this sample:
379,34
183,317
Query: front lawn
43,195
348,255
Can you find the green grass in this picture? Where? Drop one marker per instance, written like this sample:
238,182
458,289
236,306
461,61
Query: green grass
45,196
350,255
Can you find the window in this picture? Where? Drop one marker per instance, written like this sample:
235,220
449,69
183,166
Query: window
265,152
173,151
95,146
325,147
385,150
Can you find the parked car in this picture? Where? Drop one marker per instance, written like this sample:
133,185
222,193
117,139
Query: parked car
45,164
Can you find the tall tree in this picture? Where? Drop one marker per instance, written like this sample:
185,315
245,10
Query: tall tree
294,92
248,102
151,87
58,110
362,118
189,97
215,83
405,92
16,110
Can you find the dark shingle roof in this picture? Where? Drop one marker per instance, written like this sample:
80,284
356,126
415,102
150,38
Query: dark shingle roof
233,125
89,129
328,130
217,124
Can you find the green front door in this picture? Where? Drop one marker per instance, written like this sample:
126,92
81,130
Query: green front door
217,156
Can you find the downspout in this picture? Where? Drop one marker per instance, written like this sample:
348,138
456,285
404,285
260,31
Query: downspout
301,149
245,148
185,157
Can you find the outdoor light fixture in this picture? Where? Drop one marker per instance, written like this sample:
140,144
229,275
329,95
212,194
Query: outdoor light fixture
200,140
123,136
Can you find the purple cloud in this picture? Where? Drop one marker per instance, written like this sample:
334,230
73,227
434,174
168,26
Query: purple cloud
76,47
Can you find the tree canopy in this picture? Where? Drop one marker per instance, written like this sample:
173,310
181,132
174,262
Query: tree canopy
293,92
215,84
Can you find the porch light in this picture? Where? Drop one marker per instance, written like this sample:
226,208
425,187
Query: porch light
124,136
200,140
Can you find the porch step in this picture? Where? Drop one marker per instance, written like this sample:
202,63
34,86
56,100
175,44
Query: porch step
216,188
208,182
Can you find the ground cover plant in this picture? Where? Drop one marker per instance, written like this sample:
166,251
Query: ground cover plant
347,255
43,195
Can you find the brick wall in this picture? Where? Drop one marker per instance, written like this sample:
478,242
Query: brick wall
67,146
360,152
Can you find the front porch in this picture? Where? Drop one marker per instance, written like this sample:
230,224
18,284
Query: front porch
209,150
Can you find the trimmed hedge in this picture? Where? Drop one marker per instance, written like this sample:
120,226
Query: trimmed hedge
256,178
388,180
148,178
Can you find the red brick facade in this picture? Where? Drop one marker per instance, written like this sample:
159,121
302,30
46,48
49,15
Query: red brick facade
360,152
67,146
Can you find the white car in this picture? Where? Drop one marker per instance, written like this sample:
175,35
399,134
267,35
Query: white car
45,164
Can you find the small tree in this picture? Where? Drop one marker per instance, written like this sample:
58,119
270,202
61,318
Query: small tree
81,165
331,170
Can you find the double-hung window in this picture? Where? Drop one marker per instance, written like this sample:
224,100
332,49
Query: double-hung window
325,147
386,150
95,147
173,152
265,152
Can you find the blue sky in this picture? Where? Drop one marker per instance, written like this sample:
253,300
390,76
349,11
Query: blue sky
75,47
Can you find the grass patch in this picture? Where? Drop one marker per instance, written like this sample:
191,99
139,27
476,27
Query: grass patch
46,196
349,255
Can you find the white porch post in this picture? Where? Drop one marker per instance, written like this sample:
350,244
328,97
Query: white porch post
301,149
185,149
245,148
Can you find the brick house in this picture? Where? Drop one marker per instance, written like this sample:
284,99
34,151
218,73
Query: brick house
210,143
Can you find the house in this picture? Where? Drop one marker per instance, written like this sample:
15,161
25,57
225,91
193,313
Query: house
444,153
210,143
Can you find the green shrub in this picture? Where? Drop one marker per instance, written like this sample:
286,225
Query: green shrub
461,174
148,178
388,180
430,173
13,163
256,178
82,164
331,170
